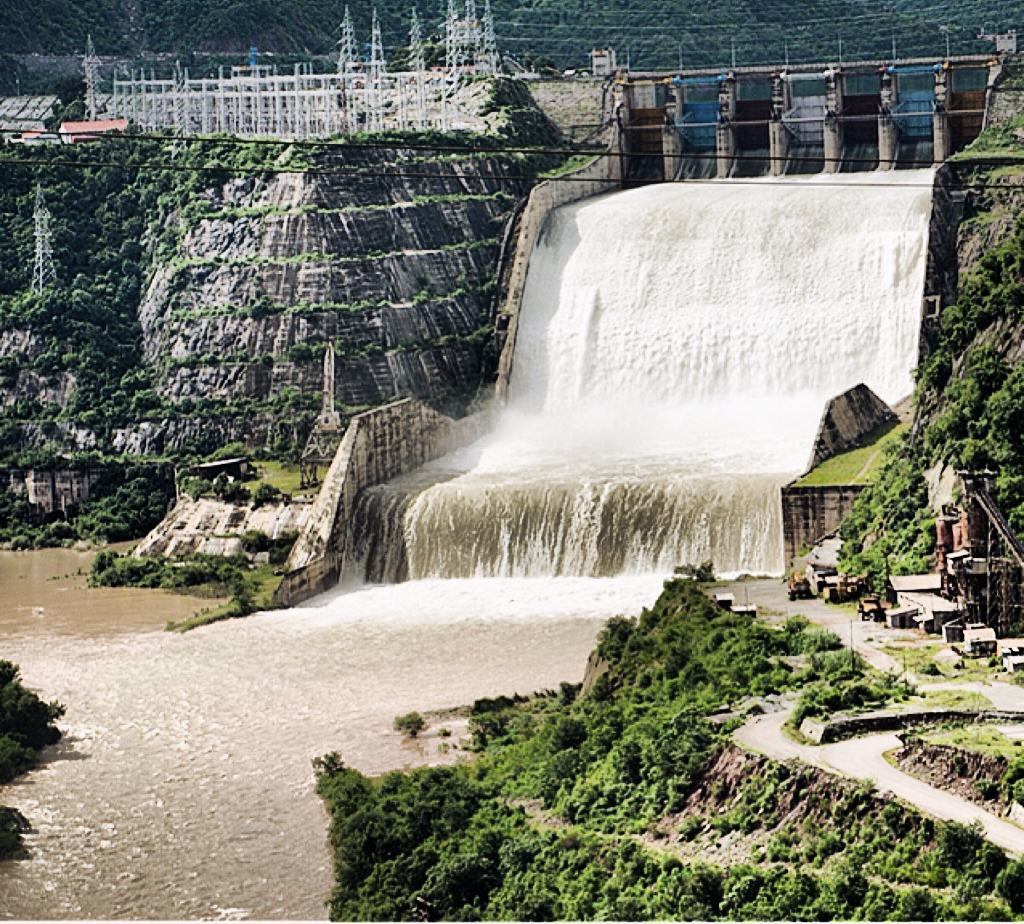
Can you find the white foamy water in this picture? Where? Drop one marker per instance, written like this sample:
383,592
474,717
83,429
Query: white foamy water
676,348
184,789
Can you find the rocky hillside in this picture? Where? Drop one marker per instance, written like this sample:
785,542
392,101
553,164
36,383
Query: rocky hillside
970,388
198,284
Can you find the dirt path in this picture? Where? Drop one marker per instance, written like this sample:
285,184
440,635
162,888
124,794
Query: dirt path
862,758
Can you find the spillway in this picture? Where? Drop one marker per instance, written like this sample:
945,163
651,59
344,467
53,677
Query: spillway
675,348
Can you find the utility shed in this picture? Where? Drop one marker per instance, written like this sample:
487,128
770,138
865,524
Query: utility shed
897,584
901,617
979,640
934,611
953,632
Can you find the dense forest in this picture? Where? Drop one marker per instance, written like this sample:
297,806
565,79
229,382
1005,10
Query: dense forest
595,804
557,33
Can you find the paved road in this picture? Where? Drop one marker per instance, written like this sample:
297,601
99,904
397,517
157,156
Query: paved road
861,758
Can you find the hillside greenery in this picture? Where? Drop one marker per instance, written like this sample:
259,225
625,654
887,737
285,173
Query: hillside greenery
27,725
593,805
969,392
554,33
74,379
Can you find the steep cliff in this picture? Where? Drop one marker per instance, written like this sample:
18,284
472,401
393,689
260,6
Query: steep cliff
198,282
193,305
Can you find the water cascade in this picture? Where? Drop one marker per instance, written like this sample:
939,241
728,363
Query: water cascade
676,346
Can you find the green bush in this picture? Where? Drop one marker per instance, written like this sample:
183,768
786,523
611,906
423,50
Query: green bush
410,724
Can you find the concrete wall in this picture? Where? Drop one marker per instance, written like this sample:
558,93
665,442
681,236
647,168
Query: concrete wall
51,491
378,445
601,175
212,527
848,726
812,512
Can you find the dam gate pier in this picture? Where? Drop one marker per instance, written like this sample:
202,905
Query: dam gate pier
812,118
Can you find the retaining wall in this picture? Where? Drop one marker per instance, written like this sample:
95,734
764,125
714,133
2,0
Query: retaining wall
601,175
378,445
812,512
849,726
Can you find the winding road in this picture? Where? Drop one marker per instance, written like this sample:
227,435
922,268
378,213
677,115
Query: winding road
862,758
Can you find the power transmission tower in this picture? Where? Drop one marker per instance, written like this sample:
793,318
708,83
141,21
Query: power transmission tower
471,35
347,45
90,64
418,61
43,272
181,107
375,77
488,57
452,61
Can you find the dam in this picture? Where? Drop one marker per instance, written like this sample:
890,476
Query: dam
675,347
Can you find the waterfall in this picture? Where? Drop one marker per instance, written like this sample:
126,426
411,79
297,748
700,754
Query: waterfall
676,346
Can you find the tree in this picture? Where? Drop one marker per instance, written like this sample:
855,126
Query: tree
410,724
1010,886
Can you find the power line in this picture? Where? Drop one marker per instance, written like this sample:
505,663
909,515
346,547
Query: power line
481,177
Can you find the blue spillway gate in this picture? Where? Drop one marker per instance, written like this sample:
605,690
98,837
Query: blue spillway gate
698,112
915,100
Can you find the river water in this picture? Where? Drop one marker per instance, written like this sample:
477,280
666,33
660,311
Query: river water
183,787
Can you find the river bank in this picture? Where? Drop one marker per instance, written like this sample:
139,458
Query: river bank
183,787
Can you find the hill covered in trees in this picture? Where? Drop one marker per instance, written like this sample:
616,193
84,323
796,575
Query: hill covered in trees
562,32
608,805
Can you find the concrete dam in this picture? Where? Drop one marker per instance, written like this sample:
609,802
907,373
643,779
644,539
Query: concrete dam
674,350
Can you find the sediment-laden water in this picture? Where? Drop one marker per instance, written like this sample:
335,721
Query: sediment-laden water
183,787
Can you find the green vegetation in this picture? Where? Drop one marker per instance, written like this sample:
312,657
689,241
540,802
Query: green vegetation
27,725
986,739
126,501
410,724
970,398
249,587
860,464
586,805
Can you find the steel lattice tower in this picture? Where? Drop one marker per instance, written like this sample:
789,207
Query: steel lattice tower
43,272
347,44
90,64
487,57
418,62
374,79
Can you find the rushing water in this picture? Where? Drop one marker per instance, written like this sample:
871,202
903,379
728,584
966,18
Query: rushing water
183,787
676,347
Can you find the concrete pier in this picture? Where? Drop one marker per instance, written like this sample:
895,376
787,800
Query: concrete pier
780,120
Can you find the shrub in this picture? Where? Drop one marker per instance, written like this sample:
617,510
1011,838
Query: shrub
410,724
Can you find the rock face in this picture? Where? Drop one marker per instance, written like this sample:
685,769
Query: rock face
390,262
219,289
847,419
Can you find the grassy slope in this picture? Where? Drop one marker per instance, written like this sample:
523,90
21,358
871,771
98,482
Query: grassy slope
857,465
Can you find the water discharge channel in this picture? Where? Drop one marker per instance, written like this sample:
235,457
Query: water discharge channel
675,349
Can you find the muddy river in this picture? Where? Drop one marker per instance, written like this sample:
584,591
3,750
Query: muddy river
183,787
